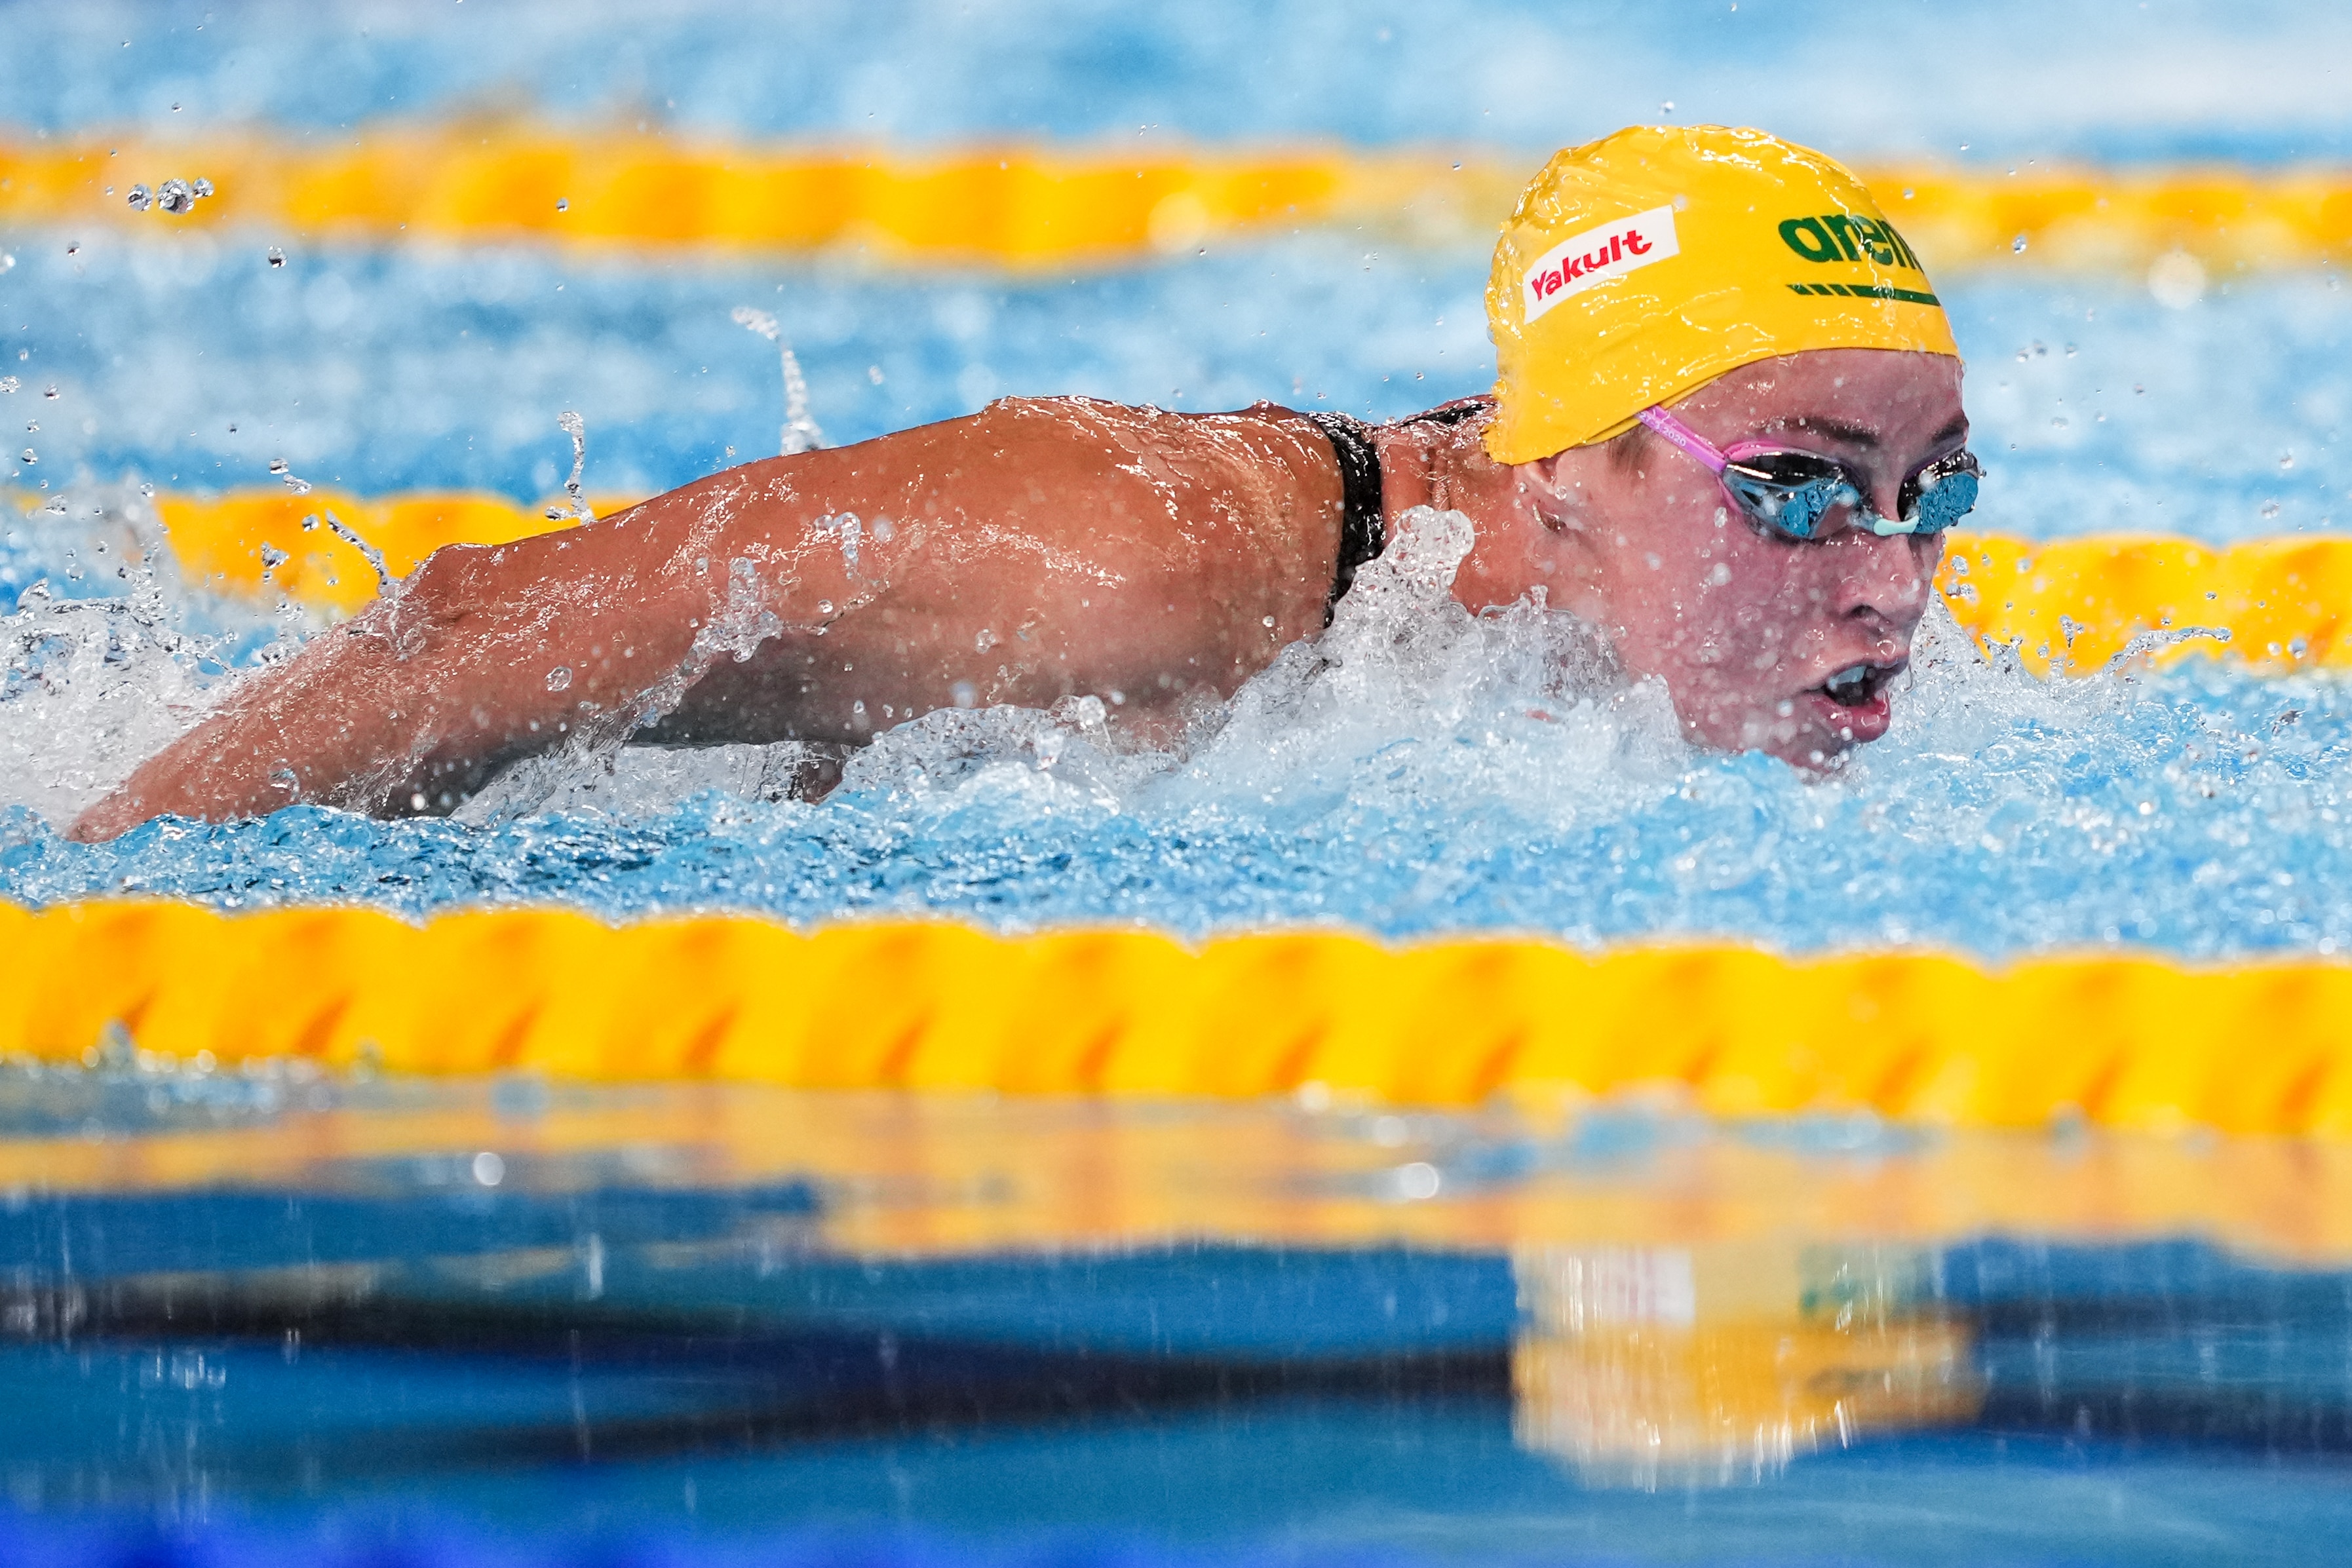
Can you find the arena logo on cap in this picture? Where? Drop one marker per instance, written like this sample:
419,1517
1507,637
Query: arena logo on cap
1593,258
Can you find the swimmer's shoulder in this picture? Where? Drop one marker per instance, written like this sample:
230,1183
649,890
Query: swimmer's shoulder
1263,434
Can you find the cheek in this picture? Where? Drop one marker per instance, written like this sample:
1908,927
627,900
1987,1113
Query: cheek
1748,597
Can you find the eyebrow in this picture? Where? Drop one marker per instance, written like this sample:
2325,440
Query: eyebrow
1863,435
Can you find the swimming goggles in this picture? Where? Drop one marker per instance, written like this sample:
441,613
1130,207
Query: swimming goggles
1790,492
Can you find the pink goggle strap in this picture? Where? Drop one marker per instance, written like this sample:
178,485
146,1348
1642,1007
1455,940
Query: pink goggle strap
1684,436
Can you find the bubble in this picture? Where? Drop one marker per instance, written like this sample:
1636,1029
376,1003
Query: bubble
559,678
489,1168
2017,246
139,199
277,257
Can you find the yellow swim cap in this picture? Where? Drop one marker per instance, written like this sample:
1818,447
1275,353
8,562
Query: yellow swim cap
1644,265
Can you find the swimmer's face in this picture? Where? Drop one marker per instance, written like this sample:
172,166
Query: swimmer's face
1766,644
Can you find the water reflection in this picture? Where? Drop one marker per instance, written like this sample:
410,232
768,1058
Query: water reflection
1720,1364
1630,1328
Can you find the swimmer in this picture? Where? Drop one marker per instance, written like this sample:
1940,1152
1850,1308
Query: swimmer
1726,433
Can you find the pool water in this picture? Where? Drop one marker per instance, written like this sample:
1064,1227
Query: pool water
268,1316
2197,810
276,1312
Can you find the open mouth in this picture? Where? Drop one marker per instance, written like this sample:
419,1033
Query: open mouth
1857,686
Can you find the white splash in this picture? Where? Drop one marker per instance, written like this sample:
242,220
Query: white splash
800,432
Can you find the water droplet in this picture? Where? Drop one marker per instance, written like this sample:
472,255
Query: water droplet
272,558
277,257
824,607
489,1169
31,455
139,199
1418,1180
2286,459
965,694
6,261
559,677
2270,509
2177,279
2017,246
51,393
201,187
8,384
563,204
174,196
1268,622
572,425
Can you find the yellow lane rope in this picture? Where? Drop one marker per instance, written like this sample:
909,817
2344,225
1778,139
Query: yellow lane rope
2066,605
2133,1042
1029,206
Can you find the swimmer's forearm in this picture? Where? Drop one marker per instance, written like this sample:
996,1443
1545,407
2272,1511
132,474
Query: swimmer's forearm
482,658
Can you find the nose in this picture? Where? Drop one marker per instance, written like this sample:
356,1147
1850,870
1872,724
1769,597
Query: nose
1886,579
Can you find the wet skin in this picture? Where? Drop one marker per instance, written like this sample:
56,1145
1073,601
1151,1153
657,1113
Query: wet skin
1048,548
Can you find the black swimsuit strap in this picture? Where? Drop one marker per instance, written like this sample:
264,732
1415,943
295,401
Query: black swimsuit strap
1363,529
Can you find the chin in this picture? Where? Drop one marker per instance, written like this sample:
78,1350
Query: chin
1815,735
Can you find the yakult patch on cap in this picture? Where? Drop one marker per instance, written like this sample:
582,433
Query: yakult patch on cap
1596,255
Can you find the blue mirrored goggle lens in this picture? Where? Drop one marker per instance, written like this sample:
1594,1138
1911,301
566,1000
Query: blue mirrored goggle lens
1794,508
1794,502
1943,501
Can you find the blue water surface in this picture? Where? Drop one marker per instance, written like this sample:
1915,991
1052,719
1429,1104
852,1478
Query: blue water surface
2197,810
2110,80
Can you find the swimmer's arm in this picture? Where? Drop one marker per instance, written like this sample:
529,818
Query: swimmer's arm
1037,549
484,655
